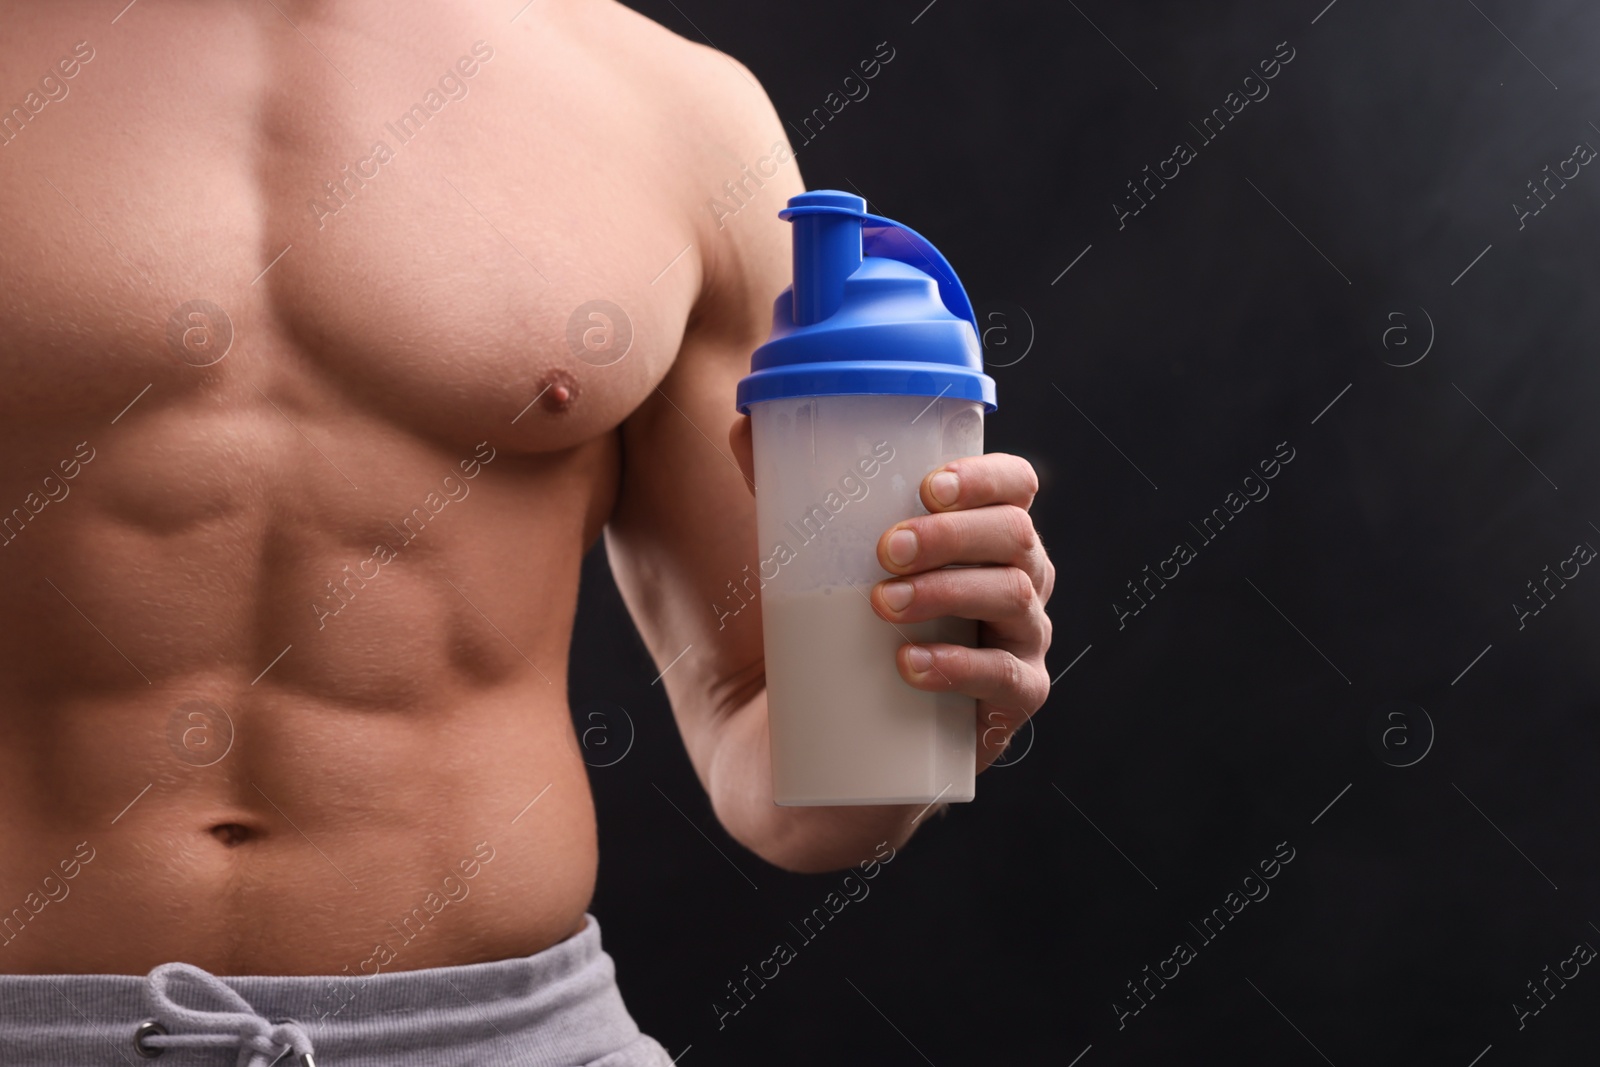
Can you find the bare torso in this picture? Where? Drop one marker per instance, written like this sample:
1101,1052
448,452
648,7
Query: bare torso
241,765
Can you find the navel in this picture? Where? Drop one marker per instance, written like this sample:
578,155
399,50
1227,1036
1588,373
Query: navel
232,834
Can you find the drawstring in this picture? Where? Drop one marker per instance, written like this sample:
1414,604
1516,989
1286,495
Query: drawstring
236,1024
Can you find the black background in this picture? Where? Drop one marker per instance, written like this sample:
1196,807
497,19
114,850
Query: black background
1226,716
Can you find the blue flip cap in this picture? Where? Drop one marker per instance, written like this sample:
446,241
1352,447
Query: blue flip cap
874,310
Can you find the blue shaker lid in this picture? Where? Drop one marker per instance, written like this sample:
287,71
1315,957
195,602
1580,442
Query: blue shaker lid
874,309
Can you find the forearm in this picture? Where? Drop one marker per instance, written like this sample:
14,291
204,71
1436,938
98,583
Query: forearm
806,840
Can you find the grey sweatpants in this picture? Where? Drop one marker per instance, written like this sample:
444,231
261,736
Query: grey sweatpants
556,1008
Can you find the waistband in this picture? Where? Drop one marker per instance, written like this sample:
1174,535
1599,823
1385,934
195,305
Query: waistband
557,1006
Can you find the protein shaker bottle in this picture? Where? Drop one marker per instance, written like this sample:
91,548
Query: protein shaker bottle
871,379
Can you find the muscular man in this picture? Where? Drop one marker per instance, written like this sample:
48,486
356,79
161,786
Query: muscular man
303,442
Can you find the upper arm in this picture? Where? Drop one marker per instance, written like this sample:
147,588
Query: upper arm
683,530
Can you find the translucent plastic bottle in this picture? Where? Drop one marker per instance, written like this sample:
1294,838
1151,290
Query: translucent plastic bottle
871,379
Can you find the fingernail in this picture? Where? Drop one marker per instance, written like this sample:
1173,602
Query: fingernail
902,547
944,487
921,660
897,595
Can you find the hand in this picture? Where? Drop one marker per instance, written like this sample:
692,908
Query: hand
981,519
978,515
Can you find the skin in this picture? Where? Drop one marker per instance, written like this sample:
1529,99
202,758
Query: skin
212,751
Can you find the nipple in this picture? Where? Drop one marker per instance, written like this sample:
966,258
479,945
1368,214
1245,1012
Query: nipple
560,392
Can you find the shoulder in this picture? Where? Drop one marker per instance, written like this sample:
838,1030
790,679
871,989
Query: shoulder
686,77
702,131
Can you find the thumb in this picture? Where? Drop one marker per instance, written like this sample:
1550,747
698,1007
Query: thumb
743,446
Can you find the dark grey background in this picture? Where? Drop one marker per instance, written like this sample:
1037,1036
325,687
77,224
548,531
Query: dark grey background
1224,718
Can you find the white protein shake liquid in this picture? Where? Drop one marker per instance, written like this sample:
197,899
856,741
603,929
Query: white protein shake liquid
846,728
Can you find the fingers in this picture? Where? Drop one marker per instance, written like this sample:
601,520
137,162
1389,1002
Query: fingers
1008,689
978,514
999,535
978,481
1002,597
978,517
992,675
